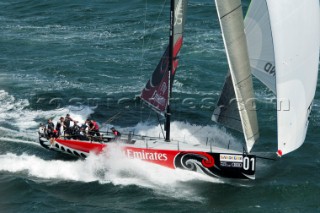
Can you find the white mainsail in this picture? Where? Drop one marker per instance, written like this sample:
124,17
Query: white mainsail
286,34
232,26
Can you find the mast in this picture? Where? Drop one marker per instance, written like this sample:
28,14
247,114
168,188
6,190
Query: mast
171,40
157,92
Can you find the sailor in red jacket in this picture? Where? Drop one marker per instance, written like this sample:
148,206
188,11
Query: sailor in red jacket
116,133
93,127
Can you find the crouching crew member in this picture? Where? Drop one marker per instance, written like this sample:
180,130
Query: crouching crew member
116,133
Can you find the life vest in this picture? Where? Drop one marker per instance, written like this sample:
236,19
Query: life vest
95,125
116,133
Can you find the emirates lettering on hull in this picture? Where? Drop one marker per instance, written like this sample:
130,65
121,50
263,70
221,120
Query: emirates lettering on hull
144,155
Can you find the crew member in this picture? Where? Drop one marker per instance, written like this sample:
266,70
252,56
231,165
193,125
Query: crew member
67,129
55,134
116,133
50,128
95,128
75,130
60,124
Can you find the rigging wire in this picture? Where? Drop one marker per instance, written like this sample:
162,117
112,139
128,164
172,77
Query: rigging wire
160,126
117,115
144,35
144,29
145,42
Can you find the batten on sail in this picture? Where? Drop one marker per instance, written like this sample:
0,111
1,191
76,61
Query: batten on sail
232,26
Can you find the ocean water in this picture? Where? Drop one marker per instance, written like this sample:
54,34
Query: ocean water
91,59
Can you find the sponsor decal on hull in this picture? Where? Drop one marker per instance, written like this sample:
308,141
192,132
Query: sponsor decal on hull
146,155
217,165
234,161
231,158
160,157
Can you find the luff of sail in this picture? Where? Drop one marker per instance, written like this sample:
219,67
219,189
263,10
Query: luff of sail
156,92
232,26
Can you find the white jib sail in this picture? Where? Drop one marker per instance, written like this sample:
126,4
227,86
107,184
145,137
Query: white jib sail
296,37
232,26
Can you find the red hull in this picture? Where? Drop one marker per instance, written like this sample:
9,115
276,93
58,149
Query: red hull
213,164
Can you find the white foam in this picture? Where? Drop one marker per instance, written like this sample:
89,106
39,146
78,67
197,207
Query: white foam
107,168
9,105
14,140
189,133
15,113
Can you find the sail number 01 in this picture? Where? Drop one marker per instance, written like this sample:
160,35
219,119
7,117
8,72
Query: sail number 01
248,163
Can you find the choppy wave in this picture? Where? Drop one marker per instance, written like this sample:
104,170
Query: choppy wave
18,120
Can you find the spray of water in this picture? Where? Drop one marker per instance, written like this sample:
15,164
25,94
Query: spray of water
108,168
